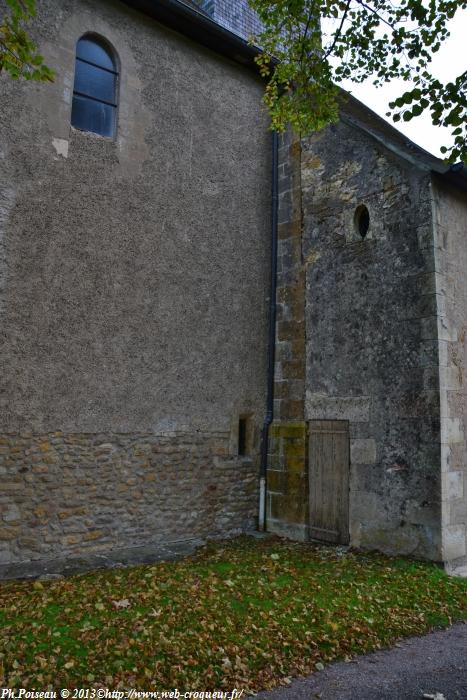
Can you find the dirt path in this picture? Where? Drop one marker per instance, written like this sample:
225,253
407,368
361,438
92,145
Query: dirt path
419,667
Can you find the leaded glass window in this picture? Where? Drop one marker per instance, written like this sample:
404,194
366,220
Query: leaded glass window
95,89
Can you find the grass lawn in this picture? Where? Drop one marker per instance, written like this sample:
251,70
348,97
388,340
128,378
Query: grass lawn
246,614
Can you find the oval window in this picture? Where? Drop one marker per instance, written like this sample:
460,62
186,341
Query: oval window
362,220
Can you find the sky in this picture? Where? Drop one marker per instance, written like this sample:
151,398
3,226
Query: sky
448,63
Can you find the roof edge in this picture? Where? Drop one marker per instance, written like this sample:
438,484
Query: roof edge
199,27
196,25
357,114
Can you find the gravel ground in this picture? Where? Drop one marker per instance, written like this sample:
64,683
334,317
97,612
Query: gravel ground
433,666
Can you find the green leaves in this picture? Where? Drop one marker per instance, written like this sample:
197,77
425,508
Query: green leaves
447,104
18,53
376,39
300,89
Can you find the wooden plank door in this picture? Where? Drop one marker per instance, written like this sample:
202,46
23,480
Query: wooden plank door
329,480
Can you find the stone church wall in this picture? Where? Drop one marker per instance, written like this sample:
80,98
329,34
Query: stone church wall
74,494
371,358
134,281
450,245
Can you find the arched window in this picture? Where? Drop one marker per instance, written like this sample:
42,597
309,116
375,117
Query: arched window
95,89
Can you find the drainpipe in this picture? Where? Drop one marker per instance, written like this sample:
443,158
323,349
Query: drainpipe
271,339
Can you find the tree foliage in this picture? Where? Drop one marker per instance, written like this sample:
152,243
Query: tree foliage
18,53
378,39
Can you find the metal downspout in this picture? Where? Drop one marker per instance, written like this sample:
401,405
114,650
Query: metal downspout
271,340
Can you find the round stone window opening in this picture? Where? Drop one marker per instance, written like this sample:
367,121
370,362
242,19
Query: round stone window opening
362,220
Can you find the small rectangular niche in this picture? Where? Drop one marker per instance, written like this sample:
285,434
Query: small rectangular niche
242,429
244,436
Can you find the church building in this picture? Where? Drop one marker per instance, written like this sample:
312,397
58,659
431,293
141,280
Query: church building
207,328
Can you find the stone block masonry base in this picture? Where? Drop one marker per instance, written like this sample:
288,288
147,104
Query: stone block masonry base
287,479
81,494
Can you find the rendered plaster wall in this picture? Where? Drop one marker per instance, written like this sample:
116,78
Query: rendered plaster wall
134,277
371,343
450,217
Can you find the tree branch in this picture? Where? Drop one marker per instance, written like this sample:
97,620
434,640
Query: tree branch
338,33
375,12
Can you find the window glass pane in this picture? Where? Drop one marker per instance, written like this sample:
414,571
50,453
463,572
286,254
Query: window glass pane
94,81
90,51
90,115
